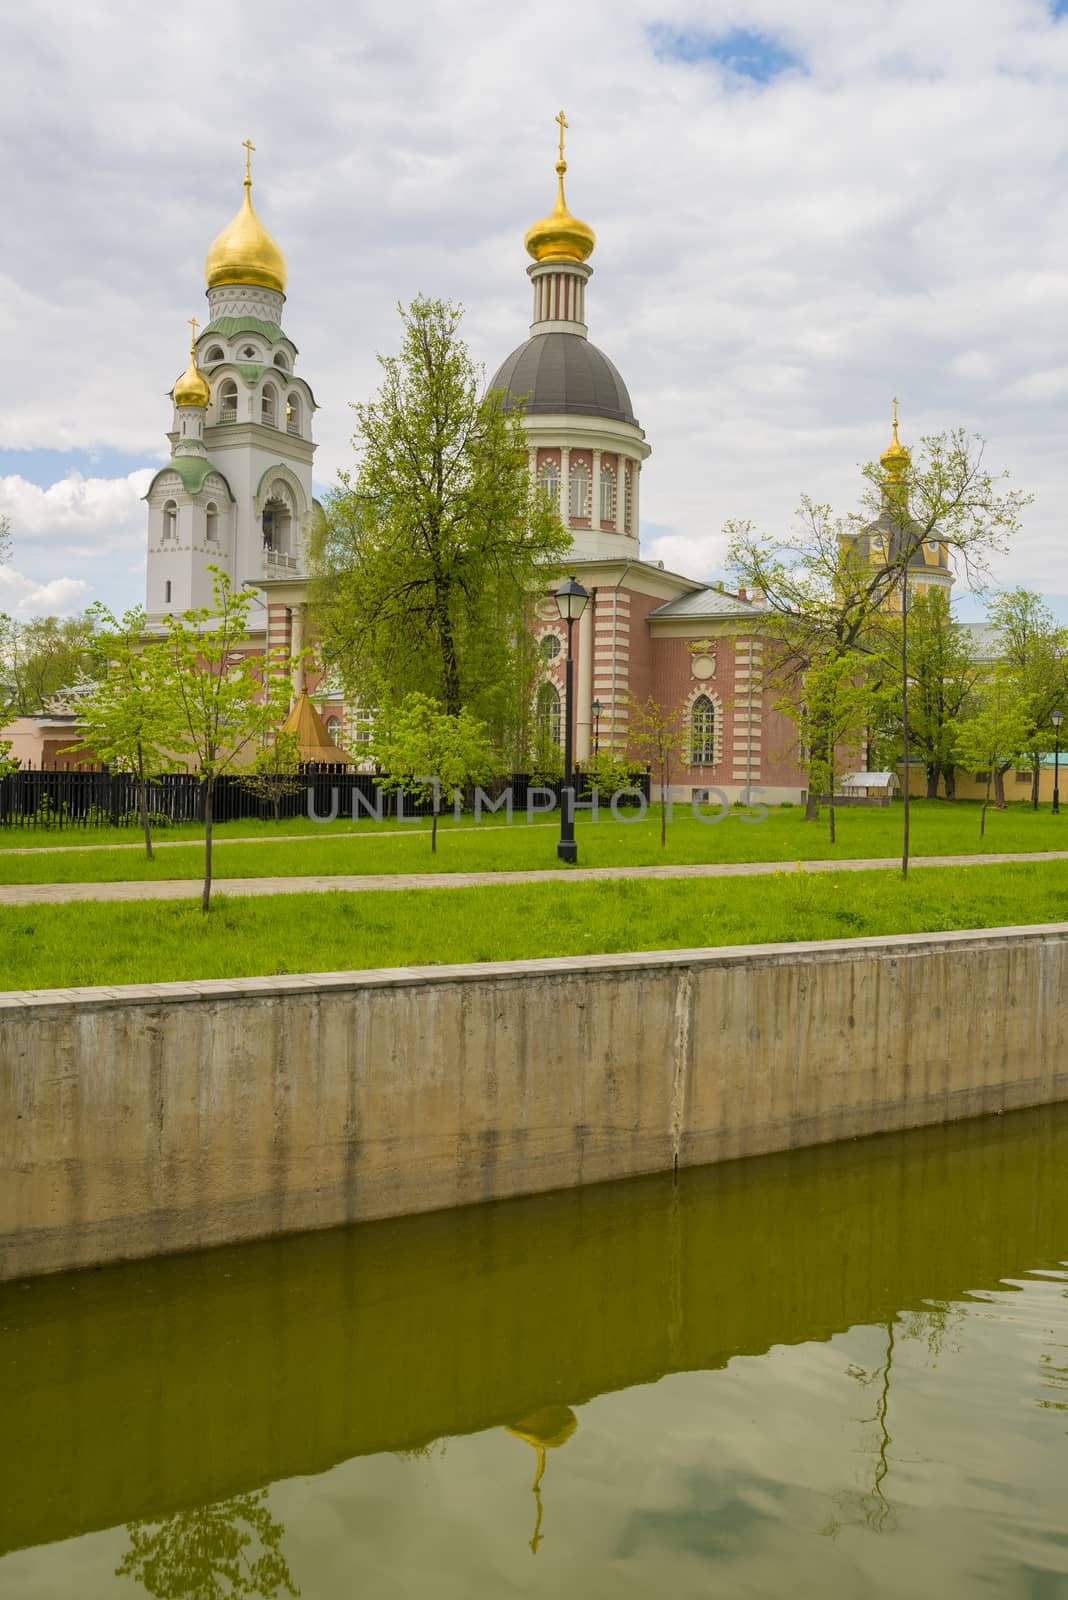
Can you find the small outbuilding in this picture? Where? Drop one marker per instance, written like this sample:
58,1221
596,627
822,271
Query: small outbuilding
875,788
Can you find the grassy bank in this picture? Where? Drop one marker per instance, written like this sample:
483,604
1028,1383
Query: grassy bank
937,829
62,946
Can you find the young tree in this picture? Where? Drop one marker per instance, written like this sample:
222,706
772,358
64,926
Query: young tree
992,737
1034,652
128,715
276,771
831,587
222,699
655,736
432,552
843,697
423,749
943,672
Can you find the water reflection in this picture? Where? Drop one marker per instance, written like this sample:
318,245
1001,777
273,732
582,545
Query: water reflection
164,1397
229,1551
547,1429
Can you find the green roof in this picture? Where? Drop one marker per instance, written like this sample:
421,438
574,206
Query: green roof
193,471
230,327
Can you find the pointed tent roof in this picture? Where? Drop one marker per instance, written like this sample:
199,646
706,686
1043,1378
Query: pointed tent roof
315,743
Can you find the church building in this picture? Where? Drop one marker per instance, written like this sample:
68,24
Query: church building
237,494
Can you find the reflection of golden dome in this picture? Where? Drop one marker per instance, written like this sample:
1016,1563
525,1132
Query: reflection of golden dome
560,236
895,458
245,252
546,1429
192,387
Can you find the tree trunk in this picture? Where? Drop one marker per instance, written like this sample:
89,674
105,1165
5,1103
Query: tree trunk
142,802
276,802
986,802
209,787
434,831
949,778
812,802
932,780
1036,773
665,778
999,788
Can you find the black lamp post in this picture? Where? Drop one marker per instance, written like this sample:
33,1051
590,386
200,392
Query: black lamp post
571,600
1057,718
596,708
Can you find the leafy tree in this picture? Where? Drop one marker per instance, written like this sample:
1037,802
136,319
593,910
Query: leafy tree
608,770
276,771
43,656
431,553
222,699
843,696
831,586
656,735
228,1551
128,715
423,749
943,672
1034,652
991,738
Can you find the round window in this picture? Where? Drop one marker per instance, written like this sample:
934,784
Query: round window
550,647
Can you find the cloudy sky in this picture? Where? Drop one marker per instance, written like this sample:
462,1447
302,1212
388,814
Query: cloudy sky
802,208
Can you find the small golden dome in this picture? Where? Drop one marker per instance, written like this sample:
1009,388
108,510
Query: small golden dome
895,458
192,387
245,252
560,236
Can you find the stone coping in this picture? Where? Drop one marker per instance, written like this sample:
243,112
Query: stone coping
546,966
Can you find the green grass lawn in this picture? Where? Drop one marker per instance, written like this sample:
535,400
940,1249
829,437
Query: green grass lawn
67,945
937,829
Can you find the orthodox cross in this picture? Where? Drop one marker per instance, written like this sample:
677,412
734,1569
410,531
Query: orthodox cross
193,340
562,120
248,147
895,411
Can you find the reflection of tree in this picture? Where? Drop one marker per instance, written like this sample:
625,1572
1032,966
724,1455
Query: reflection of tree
211,1553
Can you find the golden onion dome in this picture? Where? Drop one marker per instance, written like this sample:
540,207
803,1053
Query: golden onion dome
244,252
192,387
895,458
560,236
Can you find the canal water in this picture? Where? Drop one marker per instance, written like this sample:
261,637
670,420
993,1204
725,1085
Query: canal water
841,1371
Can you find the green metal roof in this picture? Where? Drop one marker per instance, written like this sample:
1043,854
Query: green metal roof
194,472
230,327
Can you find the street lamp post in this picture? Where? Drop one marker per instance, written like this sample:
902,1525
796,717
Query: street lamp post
596,708
1057,718
571,600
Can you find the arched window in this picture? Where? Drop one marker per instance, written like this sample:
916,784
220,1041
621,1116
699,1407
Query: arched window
703,732
580,490
608,495
269,407
228,402
167,592
293,413
333,726
214,354
550,723
278,530
170,520
280,361
213,521
549,482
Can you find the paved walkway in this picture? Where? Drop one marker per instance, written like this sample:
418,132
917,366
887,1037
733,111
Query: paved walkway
36,894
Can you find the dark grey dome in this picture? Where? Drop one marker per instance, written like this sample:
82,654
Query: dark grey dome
557,372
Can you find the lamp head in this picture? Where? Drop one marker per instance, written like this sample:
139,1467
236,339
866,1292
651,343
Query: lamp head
1057,717
570,599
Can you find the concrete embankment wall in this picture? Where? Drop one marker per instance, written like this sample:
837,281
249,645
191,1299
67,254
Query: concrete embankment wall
141,1120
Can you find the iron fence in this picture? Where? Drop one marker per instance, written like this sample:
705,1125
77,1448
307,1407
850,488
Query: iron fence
85,797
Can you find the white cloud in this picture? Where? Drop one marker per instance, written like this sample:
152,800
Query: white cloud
21,597
774,261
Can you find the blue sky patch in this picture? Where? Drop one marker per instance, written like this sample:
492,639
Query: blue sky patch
1059,8
46,467
741,50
